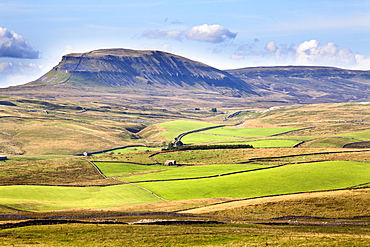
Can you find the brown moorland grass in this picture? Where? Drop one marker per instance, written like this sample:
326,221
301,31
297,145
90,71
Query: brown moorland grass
96,234
330,204
67,171
310,115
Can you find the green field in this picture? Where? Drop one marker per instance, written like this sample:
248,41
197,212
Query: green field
294,178
363,135
42,198
228,134
123,169
297,178
175,128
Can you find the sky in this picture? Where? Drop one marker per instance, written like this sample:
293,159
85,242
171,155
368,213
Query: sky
225,34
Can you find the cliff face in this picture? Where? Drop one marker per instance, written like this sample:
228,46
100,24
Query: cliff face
143,69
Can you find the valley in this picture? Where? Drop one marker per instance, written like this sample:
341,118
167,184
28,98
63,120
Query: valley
297,184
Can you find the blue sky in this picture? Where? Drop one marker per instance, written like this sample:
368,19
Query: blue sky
222,33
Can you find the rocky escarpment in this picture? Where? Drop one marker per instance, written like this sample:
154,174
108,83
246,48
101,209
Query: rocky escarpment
142,69
307,84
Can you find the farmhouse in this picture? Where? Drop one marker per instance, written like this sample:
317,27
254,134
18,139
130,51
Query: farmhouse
170,163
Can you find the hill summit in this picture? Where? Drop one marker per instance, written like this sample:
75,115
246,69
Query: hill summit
148,70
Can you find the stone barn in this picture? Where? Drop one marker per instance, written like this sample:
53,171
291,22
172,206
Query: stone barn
170,163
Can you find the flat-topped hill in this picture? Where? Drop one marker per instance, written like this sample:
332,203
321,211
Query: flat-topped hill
149,70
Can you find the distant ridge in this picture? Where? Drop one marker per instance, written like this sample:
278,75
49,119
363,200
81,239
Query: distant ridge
307,84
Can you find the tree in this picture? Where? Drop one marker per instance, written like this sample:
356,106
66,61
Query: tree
179,144
214,110
170,145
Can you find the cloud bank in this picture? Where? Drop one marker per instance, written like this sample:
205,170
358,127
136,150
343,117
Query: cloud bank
307,53
14,45
203,33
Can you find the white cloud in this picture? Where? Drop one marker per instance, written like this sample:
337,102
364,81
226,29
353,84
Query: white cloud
14,45
157,34
362,62
271,46
312,52
237,56
209,33
205,33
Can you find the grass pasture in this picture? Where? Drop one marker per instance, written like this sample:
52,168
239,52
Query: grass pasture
229,135
329,142
175,128
110,169
330,175
362,135
44,198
